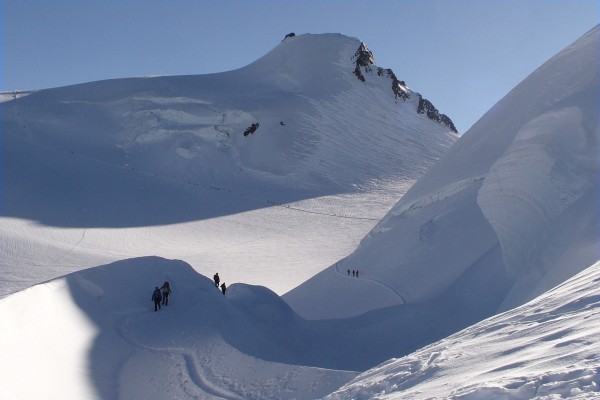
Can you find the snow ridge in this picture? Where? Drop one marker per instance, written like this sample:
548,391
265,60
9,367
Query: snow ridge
544,349
365,62
513,199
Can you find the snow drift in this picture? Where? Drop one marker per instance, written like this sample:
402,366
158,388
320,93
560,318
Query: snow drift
545,349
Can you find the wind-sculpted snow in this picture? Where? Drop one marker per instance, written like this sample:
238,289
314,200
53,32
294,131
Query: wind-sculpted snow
430,256
408,209
249,344
547,348
549,166
513,204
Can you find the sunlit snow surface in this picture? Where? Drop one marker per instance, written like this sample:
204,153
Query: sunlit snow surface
104,175
108,170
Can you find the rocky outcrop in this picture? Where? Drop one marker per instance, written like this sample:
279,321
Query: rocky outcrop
364,62
425,107
398,87
251,129
364,59
289,35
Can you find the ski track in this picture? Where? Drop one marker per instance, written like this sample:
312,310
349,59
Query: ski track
193,370
345,273
75,246
200,380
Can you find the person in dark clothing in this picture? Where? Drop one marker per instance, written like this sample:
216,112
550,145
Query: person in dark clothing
353,273
156,297
223,288
165,291
217,279
357,273
348,272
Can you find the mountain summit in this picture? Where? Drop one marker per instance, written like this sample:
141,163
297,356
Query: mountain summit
304,115
365,65
292,126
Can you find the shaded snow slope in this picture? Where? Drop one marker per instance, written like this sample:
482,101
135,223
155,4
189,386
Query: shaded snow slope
227,171
95,335
101,325
249,344
545,349
513,203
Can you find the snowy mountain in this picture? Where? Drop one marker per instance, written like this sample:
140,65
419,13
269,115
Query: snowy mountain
226,171
509,212
451,253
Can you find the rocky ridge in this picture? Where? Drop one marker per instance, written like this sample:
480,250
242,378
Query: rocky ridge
365,64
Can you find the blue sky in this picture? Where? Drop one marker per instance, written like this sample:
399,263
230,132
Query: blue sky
463,55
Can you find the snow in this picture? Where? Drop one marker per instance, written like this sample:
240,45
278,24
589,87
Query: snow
94,334
125,168
497,204
480,283
546,349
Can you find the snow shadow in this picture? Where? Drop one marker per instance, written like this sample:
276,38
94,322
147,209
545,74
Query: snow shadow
117,299
252,319
57,188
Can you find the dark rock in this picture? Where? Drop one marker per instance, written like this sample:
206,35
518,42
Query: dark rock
251,129
364,59
289,35
398,87
425,107
365,62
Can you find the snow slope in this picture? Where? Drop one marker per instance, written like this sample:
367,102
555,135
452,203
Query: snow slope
110,170
546,349
509,212
94,335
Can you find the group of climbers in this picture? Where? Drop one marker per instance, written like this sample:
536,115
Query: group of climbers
160,297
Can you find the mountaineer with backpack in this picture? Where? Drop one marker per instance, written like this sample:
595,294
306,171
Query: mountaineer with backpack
156,298
166,291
